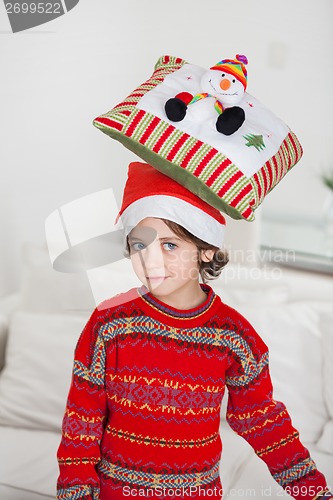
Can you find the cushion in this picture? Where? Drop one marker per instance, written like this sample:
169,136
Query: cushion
3,339
292,333
236,453
46,290
325,442
29,467
233,173
249,285
267,295
35,380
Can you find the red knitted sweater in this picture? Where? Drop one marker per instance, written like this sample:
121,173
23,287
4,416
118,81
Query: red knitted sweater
143,410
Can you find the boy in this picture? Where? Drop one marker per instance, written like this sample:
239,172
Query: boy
152,364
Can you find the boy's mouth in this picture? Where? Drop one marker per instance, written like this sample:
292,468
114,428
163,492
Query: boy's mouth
153,282
151,278
156,279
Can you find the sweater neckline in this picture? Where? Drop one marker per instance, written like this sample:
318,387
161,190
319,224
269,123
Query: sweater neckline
163,308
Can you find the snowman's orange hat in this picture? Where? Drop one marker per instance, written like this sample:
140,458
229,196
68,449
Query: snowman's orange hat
149,193
235,67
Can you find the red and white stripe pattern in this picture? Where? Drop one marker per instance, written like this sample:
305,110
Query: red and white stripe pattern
198,166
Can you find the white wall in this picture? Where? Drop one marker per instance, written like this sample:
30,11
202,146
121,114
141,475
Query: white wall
57,77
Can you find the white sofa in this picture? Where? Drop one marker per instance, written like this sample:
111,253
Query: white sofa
39,327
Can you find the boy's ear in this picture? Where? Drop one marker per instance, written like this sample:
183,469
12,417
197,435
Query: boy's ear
207,255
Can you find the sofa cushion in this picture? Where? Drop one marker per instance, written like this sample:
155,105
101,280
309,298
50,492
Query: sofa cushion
325,442
234,293
48,291
327,340
292,333
14,493
236,452
35,380
29,467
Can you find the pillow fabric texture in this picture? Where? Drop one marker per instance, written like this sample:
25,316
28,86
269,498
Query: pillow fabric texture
48,291
39,358
29,467
325,442
293,333
232,173
3,338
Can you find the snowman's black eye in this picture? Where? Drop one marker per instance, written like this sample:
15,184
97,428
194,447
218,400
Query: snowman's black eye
233,81
223,74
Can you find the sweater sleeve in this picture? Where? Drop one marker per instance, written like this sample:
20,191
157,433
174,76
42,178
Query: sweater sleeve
266,425
84,419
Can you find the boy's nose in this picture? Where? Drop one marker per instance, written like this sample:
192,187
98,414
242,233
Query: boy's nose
153,257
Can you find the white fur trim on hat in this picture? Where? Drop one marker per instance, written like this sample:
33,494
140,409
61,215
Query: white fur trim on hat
195,220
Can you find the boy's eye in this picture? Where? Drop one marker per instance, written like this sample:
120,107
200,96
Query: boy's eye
169,246
137,246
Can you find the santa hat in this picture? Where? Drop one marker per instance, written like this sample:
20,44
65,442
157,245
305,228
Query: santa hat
235,67
149,193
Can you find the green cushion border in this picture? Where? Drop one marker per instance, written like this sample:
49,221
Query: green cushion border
172,170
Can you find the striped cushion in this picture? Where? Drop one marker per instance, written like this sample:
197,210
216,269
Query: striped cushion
232,173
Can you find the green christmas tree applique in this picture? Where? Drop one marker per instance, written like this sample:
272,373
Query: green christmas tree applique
256,141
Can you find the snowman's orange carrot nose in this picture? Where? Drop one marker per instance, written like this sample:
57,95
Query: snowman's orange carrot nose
225,84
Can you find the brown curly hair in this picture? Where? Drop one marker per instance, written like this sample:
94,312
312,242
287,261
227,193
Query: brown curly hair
208,270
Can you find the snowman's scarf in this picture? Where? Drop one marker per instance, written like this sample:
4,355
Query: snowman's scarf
197,97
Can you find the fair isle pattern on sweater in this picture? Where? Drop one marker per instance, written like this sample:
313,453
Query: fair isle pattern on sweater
143,410
79,493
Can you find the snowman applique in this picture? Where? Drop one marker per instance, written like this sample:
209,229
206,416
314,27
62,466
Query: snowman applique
223,85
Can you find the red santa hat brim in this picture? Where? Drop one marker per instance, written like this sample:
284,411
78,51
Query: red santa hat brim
149,193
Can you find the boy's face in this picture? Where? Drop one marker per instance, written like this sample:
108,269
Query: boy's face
164,263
